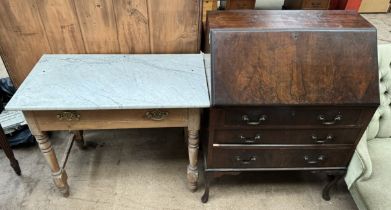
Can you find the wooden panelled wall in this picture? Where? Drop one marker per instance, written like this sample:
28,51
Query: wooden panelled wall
29,28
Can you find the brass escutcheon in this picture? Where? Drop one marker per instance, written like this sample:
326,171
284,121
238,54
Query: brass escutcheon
68,115
156,115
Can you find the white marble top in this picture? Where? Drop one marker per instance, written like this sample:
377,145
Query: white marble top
96,82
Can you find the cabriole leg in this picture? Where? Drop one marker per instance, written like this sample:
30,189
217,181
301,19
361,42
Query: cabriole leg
205,196
333,180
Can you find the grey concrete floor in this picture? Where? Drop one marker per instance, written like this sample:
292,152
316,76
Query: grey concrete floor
146,169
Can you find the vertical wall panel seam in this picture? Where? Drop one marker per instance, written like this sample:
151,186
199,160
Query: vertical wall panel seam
199,23
43,28
80,28
116,27
150,34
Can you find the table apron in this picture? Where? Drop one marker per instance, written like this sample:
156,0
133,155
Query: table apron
109,119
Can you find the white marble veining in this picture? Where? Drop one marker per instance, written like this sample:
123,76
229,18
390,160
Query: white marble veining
93,82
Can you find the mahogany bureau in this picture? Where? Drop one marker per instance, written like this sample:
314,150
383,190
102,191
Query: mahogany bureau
290,90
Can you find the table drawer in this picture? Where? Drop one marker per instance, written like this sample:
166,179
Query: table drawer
255,117
110,119
274,157
286,136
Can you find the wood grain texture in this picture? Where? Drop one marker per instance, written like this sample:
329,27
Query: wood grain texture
306,4
281,64
290,117
133,25
172,29
288,19
240,4
29,29
23,39
109,119
61,26
98,26
287,76
309,69
278,157
262,136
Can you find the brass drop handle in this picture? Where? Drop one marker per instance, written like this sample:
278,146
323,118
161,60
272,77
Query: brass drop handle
316,160
156,115
68,116
260,119
246,161
324,121
250,140
318,140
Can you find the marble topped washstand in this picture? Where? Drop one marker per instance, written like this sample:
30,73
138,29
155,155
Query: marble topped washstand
85,92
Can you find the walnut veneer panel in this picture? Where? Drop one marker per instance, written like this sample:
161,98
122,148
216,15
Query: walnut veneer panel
269,65
272,157
293,19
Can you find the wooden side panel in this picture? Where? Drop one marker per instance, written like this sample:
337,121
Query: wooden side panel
30,28
61,25
174,26
98,26
133,25
22,37
240,4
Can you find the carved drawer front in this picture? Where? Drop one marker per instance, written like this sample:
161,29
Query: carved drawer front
274,157
106,119
255,117
286,136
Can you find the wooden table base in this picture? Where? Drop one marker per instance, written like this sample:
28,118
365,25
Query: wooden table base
41,121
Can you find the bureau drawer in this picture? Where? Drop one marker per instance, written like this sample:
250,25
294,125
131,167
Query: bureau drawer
273,157
110,119
255,117
286,136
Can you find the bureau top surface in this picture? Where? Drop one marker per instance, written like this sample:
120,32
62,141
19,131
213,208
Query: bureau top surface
96,82
275,19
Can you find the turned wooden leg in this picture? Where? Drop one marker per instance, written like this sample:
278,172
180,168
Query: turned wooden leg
9,153
79,139
192,169
332,182
193,142
58,174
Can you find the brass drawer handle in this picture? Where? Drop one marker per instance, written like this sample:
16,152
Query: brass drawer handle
324,121
250,140
247,160
315,160
318,140
156,115
262,118
68,116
